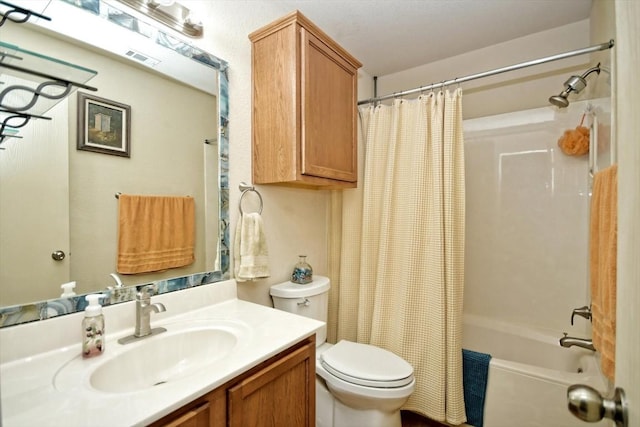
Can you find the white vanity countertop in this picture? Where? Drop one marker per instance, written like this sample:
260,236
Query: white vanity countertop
32,354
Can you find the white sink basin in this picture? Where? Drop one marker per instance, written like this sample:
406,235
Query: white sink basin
185,349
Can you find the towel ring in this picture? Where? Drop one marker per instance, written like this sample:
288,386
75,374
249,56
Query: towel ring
245,188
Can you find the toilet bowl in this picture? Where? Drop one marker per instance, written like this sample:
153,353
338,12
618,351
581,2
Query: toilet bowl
356,384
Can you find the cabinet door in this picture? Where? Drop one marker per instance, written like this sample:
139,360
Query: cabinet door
328,110
281,394
209,410
196,417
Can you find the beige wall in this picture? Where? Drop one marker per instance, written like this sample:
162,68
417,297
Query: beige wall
295,220
513,91
602,25
603,28
170,122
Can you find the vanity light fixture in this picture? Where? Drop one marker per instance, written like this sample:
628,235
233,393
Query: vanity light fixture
170,13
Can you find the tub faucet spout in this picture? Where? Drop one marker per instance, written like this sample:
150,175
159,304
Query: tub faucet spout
567,341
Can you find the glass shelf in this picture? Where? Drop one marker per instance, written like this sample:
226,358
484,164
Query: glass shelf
11,122
32,83
17,14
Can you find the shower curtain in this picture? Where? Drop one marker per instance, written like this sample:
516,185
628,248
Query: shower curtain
398,282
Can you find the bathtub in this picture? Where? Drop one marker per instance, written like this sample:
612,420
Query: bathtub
529,374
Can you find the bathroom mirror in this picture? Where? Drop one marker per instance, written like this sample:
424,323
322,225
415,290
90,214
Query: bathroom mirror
55,198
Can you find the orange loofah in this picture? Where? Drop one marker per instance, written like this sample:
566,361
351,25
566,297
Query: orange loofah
575,142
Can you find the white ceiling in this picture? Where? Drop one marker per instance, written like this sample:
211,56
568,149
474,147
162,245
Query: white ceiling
394,35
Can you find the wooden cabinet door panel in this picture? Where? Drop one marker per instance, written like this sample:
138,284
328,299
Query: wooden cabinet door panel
328,112
197,417
274,107
281,394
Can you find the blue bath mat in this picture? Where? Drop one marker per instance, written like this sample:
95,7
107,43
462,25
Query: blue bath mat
475,372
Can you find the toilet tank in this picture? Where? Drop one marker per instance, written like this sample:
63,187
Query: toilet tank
310,300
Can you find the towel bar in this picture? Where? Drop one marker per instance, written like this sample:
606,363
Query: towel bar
246,188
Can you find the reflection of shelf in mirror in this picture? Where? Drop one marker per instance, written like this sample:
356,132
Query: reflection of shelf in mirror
17,14
32,83
12,121
8,132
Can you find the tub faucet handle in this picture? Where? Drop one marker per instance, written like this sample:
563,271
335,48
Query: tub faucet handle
582,312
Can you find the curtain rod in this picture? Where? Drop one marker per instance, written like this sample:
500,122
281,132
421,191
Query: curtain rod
483,74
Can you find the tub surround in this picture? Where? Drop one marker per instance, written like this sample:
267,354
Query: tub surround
32,354
529,371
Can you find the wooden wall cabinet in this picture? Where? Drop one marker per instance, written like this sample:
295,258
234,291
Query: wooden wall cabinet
278,392
304,107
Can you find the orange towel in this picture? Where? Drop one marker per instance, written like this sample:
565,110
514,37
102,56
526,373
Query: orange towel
603,248
155,233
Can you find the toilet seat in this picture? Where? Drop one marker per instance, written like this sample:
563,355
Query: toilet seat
366,365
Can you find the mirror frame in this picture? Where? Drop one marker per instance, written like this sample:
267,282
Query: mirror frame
46,309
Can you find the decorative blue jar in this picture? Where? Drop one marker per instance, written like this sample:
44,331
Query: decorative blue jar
302,271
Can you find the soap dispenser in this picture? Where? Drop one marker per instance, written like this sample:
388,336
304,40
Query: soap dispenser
93,339
68,290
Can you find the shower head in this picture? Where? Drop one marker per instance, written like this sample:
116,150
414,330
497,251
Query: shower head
561,100
573,84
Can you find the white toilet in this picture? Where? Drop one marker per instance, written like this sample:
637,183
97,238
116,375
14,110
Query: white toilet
356,384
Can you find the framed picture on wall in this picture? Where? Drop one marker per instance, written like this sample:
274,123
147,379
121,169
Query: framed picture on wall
104,126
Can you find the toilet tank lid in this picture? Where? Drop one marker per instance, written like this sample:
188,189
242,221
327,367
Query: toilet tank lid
289,289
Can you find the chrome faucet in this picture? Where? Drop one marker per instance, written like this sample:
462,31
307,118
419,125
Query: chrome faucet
567,341
582,312
119,283
144,308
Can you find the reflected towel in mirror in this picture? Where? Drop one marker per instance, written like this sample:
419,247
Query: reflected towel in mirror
155,233
250,254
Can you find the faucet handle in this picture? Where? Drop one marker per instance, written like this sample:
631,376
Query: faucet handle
146,292
584,311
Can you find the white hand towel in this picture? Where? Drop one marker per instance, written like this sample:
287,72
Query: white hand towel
250,255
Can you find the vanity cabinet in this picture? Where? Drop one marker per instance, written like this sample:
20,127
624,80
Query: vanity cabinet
278,392
304,107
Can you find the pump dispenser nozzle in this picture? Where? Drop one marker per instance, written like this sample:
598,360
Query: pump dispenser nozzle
68,290
93,307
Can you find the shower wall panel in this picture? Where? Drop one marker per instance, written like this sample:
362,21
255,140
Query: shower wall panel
527,212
